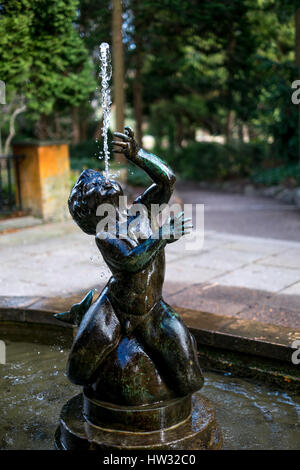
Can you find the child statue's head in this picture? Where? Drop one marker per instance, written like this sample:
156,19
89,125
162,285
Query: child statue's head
90,191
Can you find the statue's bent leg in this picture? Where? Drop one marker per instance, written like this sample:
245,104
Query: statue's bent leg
172,348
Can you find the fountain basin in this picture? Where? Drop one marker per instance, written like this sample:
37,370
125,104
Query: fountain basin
34,388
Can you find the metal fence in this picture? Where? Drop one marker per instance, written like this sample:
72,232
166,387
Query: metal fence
10,194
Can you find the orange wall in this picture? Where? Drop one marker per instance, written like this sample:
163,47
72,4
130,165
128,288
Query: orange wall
44,179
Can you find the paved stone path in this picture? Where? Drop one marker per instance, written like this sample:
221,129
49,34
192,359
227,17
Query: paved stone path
252,277
238,261
245,215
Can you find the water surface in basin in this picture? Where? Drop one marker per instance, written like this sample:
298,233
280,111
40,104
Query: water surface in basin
33,389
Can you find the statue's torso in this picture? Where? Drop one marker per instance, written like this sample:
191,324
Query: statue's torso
136,293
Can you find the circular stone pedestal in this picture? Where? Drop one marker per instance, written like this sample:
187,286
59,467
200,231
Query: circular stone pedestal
199,431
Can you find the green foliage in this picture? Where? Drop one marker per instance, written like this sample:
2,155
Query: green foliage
90,149
206,161
62,73
86,155
137,177
94,19
283,175
85,149
42,55
203,61
280,116
80,164
196,54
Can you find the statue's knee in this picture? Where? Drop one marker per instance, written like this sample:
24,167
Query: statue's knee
177,333
183,354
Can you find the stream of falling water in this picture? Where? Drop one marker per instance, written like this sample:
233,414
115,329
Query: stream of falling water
105,74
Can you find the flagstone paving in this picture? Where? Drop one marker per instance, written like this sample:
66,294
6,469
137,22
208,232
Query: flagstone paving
252,277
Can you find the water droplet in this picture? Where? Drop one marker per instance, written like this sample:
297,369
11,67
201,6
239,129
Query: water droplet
40,396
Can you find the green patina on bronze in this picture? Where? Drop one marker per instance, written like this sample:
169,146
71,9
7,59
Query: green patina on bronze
134,356
198,432
131,347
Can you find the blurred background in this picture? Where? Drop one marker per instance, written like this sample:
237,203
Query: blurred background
205,84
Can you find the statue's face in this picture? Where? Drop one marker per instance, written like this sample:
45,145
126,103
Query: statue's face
99,191
90,191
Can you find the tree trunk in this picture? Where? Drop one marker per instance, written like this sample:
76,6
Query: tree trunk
98,131
75,126
12,129
57,127
118,70
137,83
229,125
240,132
138,98
179,132
245,131
252,133
171,137
42,127
230,114
297,54
83,128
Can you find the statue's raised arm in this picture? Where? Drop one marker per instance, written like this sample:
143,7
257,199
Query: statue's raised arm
161,174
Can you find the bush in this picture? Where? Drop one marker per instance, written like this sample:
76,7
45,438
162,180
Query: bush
199,161
209,161
80,164
85,149
137,177
86,155
284,175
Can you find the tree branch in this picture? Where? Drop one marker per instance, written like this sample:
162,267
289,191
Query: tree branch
12,129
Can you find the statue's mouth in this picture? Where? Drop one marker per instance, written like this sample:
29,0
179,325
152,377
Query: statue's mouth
103,190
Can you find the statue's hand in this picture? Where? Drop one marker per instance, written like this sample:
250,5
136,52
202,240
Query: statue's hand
127,143
176,227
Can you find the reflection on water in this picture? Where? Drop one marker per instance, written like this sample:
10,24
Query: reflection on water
33,389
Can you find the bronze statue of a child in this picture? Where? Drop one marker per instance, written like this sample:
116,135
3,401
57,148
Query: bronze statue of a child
131,347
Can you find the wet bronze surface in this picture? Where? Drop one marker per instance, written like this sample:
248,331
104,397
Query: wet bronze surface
132,350
198,432
136,418
131,347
